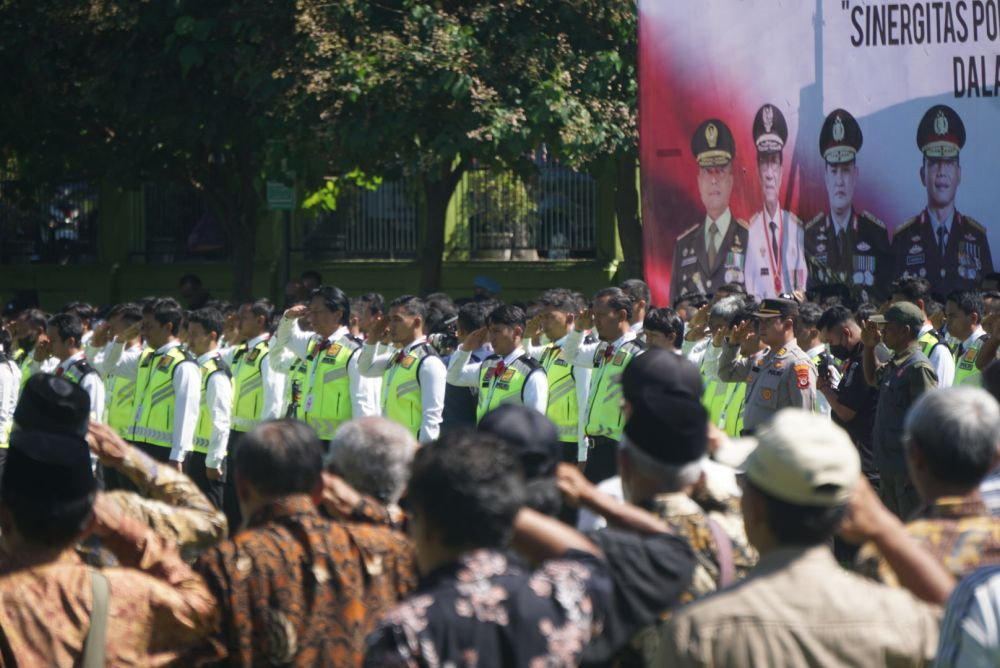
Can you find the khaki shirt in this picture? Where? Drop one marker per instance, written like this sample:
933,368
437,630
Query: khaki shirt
785,378
798,607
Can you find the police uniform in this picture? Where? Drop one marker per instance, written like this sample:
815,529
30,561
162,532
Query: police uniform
695,267
966,357
514,379
775,262
211,434
782,378
859,255
917,247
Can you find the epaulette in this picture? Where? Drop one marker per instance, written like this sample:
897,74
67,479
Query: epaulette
352,342
904,226
84,367
819,217
795,219
869,216
635,343
688,231
974,224
528,362
742,223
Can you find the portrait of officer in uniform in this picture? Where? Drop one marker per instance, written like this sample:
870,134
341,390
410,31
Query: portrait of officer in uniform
712,252
844,245
940,244
776,261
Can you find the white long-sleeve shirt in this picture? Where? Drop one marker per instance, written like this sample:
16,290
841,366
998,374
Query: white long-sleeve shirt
273,381
10,386
187,392
431,376
822,405
581,353
464,373
90,383
581,378
218,399
291,336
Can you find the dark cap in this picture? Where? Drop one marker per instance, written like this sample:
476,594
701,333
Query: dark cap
769,129
840,137
773,308
941,133
668,421
53,404
48,467
712,144
902,313
533,437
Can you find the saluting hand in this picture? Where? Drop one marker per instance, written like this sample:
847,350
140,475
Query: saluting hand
585,320
105,442
339,498
870,334
295,312
475,340
43,348
102,334
533,327
572,483
378,331
132,332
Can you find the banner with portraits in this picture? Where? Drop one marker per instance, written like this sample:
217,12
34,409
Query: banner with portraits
828,145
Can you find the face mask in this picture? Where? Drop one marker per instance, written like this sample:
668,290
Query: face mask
841,352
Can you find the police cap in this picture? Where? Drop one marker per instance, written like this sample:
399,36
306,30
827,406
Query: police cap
840,137
773,308
712,144
941,133
769,129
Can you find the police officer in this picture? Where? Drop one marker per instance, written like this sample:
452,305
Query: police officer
412,373
782,377
775,262
844,245
712,252
940,244
62,339
119,393
28,327
964,312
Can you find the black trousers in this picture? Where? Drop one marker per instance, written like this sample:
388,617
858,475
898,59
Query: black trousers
602,459
194,466
230,502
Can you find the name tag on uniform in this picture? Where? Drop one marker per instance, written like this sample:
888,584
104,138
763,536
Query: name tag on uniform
309,403
764,271
503,386
561,362
688,261
914,259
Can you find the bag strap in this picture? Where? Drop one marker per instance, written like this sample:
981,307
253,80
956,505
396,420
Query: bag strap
727,571
93,645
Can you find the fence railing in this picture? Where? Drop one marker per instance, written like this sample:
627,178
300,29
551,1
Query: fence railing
53,224
178,225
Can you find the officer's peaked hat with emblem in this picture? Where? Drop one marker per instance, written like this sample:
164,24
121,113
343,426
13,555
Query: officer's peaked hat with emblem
770,132
941,133
840,137
712,144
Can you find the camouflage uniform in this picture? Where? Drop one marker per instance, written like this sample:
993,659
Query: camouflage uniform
958,531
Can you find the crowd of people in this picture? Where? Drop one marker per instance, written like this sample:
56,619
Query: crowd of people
574,480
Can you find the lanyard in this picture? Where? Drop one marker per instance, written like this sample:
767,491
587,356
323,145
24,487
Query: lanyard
315,364
776,261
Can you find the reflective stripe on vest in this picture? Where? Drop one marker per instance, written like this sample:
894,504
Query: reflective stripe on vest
604,412
156,402
507,389
928,340
563,409
203,430
248,386
119,404
966,372
328,387
402,400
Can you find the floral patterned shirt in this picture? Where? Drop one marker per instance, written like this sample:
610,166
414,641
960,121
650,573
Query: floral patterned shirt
488,610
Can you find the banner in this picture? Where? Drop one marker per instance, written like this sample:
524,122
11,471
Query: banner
819,145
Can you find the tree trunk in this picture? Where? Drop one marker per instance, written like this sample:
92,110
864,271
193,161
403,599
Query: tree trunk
244,254
437,194
627,212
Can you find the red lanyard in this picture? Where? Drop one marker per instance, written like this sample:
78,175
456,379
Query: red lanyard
775,261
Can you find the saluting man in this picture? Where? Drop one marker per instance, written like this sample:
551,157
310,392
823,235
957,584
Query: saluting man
844,245
712,252
775,262
947,248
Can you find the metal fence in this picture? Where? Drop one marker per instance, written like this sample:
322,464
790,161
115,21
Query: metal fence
380,223
54,224
178,225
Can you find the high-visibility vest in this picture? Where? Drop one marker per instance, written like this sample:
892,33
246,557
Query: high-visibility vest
119,403
604,408
5,434
563,408
966,372
75,372
402,401
155,401
23,358
714,398
507,387
731,417
248,385
328,390
203,430
928,340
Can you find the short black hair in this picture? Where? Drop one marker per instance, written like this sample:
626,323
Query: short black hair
412,304
373,301
470,486
82,310
835,316
618,300
128,312
913,288
35,317
864,312
311,274
261,307
666,321
507,314
968,302
68,326
696,299
471,316
800,525
334,299
209,318
280,457
441,317
560,299
637,289
810,314
166,311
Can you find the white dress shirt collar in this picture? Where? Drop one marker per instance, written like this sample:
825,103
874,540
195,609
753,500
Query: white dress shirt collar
170,344
207,356
976,333
68,362
257,339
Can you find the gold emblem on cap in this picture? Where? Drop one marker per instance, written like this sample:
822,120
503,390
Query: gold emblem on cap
940,123
838,129
711,135
767,115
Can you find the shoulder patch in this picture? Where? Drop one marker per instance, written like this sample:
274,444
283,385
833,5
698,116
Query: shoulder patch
872,218
974,224
408,361
688,231
819,218
802,376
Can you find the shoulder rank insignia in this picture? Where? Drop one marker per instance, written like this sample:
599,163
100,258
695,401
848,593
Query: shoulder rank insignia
870,217
619,359
802,376
974,224
742,223
507,375
688,231
334,350
819,218
408,361
905,225
164,362
254,354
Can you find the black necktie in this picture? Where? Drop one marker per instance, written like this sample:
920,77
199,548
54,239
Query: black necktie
940,234
774,239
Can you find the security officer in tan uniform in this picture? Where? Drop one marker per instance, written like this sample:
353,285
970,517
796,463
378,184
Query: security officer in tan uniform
782,377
